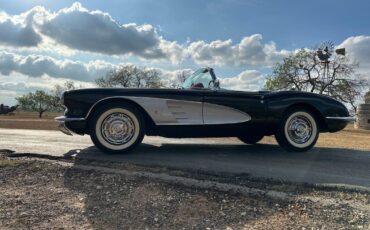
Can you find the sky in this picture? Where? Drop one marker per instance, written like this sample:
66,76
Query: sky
43,43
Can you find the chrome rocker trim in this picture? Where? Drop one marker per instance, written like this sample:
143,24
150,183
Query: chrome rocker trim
62,126
348,119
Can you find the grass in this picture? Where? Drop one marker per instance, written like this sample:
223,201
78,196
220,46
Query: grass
31,115
29,120
8,163
347,138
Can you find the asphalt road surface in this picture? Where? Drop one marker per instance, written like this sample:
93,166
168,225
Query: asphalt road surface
332,166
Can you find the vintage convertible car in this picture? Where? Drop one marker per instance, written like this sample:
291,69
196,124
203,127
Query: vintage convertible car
118,118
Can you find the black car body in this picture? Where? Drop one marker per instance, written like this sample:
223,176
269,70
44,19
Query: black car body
198,111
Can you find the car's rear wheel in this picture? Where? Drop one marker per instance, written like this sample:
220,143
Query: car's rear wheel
117,128
298,130
251,139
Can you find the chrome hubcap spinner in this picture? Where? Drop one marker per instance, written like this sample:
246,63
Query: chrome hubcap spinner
299,129
117,128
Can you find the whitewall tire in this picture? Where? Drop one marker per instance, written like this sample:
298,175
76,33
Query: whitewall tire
298,130
117,128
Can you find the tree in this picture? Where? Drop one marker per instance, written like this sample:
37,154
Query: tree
38,101
57,93
180,77
122,76
151,78
304,71
131,76
59,89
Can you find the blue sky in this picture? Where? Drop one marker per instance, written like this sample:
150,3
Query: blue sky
241,39
289,23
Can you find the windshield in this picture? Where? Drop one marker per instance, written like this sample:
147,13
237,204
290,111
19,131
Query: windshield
201,78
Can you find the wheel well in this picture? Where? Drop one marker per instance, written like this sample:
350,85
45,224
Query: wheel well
315,111
149,123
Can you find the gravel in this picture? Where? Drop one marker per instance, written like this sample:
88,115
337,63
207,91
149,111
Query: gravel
39,194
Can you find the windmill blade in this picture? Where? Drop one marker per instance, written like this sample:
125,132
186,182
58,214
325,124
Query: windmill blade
341,51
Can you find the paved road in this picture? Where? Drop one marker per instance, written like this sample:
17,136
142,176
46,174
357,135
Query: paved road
321,165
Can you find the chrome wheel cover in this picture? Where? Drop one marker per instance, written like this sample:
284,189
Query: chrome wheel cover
299,129
117,128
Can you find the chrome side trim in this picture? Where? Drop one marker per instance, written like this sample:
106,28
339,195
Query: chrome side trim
64,119
348,119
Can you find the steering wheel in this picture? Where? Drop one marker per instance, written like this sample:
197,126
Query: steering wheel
197,85
211,84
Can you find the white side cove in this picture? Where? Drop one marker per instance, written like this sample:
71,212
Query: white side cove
171,112
181,112
217,114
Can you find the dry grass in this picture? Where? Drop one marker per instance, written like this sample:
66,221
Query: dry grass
8,163
359,139
29,120
347,138
31,115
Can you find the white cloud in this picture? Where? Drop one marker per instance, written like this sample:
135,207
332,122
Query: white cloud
96,31
16,85
18,31
79,29
173,51
358,49
76,28
39,65
249,52
249,80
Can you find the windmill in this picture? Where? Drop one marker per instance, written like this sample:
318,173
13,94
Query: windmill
324,53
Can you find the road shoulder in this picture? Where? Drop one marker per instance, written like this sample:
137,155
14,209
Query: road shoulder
95,195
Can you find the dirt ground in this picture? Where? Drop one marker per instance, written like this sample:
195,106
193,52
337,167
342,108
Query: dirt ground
49,194
38,194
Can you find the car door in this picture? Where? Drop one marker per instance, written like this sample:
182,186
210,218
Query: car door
186,107
231,107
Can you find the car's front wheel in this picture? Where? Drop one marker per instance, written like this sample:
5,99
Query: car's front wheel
298,130
117,128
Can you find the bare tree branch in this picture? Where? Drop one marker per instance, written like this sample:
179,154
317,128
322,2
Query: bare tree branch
305,72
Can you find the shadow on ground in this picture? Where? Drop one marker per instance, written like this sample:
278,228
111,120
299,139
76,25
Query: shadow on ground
320,165
115,201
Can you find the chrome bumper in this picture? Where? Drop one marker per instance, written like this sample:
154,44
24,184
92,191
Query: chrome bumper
62,126
347,119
